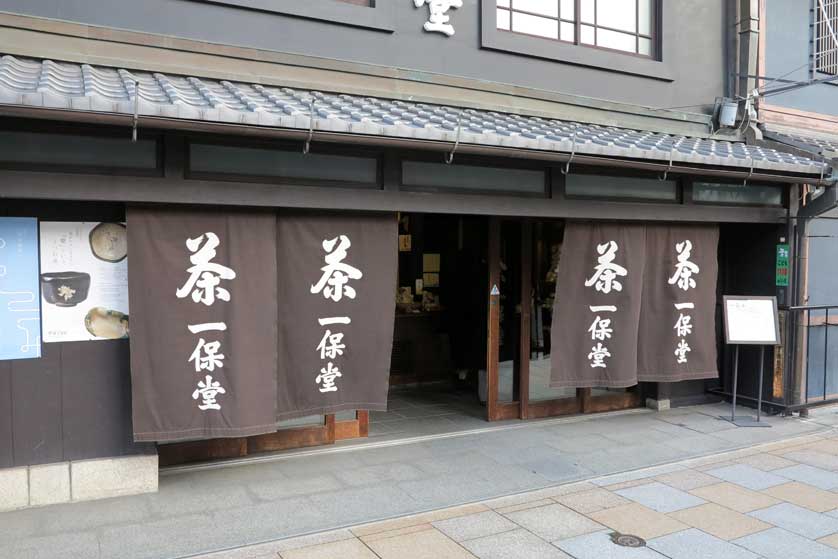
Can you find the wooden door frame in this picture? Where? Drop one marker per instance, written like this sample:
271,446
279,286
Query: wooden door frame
522,408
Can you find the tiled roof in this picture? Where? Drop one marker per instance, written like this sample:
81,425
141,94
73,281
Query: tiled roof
48,84
822,145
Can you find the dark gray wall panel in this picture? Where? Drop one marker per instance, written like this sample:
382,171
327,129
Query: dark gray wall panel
36,392
694,38
97,399
6,449
823,260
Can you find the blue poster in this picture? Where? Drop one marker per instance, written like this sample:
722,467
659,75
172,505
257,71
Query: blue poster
20,300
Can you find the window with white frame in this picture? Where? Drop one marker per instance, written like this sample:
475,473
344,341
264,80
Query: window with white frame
826,37
622,25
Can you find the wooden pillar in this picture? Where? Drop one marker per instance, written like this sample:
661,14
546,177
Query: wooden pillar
493,330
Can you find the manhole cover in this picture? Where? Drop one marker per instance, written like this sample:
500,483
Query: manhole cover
627,540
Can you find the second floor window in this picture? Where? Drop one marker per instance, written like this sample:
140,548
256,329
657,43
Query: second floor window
826,37
622,25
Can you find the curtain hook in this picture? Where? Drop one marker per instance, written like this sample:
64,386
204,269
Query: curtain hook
750,172
450,157
307,145
669,167
566,168
136,119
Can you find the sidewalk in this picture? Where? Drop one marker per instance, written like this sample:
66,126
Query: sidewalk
778,500
302,493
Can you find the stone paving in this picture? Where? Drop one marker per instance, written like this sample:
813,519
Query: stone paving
329,489
770,501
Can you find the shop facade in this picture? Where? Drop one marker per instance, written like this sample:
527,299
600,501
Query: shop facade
462,212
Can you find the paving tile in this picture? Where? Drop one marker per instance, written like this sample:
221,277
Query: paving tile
777,543
346,549
831,541
695,544
525,506
748,477
818,477
474,526
428,544
719,521
538,495
599,546
638,520
805,495
660,497
735,497
814,458
592,501
796,519
554,522
399,532
635,475
686,480
516,544
766,462
416,519
627,484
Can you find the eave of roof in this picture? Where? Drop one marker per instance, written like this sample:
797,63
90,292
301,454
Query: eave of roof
45,84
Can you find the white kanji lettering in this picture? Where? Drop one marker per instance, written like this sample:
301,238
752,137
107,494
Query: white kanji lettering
205,276
683,326
327,377
336,273
601,328
682,350
331,345
438,19
208,390
684,269
597,356
206,356
606,271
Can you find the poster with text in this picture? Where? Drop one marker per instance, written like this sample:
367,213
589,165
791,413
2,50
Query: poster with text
84,281
20,311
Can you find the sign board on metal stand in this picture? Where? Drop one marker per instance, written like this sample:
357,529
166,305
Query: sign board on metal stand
750,320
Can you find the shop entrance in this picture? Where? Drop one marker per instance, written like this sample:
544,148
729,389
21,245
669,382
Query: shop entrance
438,370
472,341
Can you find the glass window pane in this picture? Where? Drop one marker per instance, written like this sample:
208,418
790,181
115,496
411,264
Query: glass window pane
543,7
208,158
617,14
546,250
720,193
588,35
568,31
65,149
472,177
644,46
598,186
568,8
534,25
503,3
588,11
644,17
616,40
503,19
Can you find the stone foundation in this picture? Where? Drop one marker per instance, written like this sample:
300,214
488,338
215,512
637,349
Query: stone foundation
80,480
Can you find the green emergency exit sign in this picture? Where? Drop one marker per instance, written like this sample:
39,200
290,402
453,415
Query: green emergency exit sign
782,265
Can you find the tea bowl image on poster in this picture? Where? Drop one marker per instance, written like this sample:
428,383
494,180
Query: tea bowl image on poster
84,281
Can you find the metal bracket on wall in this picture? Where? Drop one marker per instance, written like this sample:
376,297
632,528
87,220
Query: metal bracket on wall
450,157
307,145
566,168
136,120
